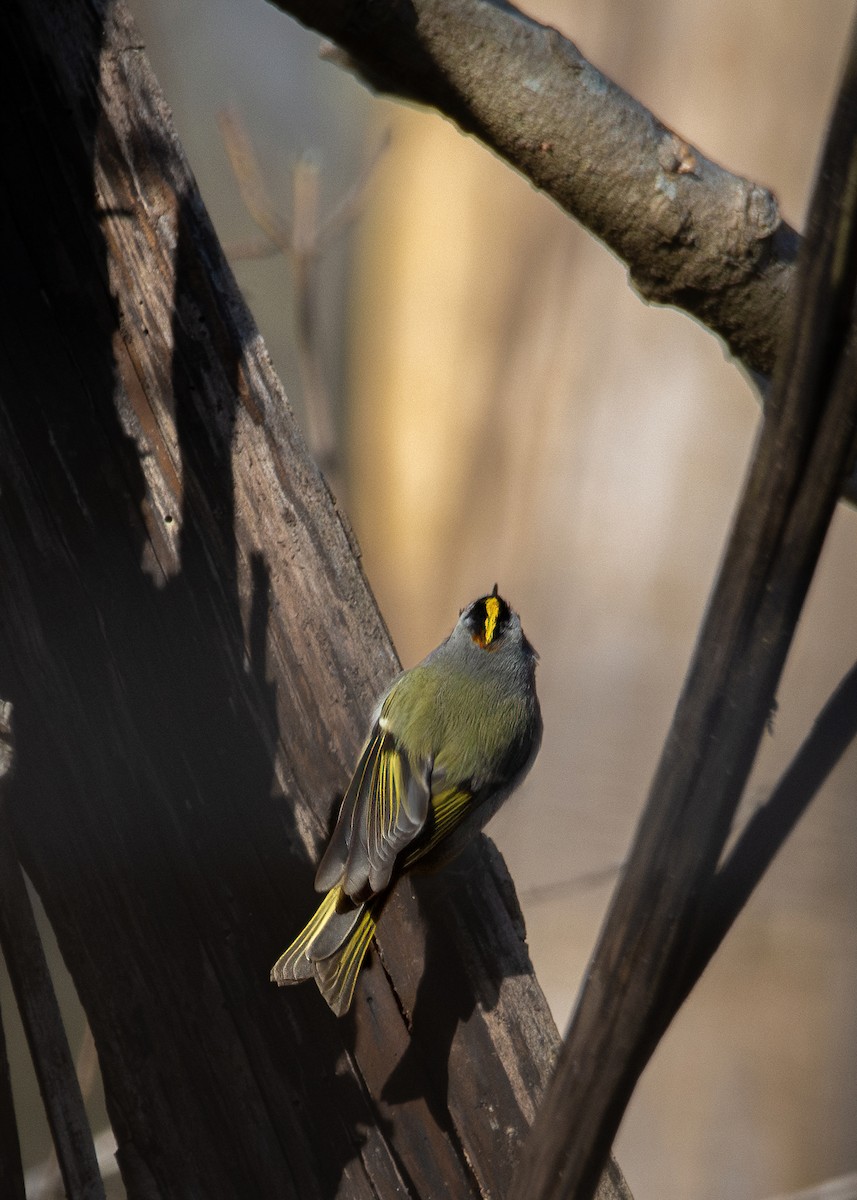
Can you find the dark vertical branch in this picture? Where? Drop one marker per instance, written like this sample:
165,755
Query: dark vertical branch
40,1015
767,830
11,1167
803,454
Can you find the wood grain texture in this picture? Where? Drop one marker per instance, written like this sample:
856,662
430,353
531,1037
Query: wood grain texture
192,652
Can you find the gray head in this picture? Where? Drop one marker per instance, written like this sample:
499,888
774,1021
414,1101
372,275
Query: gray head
490,632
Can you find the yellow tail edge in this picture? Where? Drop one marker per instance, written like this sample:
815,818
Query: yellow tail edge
295,964
336,976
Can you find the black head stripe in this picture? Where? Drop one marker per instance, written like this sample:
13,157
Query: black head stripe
488,618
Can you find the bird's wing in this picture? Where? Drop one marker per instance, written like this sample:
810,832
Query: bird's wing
383,810
448,811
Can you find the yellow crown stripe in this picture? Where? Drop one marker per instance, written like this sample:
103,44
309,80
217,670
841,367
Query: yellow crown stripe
492,612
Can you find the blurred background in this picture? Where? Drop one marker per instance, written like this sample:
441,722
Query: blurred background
493,402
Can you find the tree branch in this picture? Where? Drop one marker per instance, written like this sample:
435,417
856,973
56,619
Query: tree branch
768,829
843,1187
804,452
40,1014
11,1166
193,654
691,233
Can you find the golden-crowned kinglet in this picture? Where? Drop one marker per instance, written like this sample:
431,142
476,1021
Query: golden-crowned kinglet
449,741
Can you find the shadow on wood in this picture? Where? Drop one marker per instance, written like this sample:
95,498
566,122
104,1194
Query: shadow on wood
192,653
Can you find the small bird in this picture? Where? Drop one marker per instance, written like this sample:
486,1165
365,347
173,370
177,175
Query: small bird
450,740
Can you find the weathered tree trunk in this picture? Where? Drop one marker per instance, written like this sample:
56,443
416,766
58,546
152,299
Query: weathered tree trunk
192,651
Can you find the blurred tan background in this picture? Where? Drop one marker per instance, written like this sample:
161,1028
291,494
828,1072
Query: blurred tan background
509,410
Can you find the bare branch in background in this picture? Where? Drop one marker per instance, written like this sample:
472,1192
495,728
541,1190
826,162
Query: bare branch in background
42,1182
45,1180
543,892
844,1187
350,204
692,234
302,239
768,829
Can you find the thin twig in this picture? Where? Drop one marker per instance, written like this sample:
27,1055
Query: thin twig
348,208
251,181
844,1187
542,892
302,239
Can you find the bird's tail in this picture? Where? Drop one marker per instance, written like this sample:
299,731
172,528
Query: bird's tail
331,947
